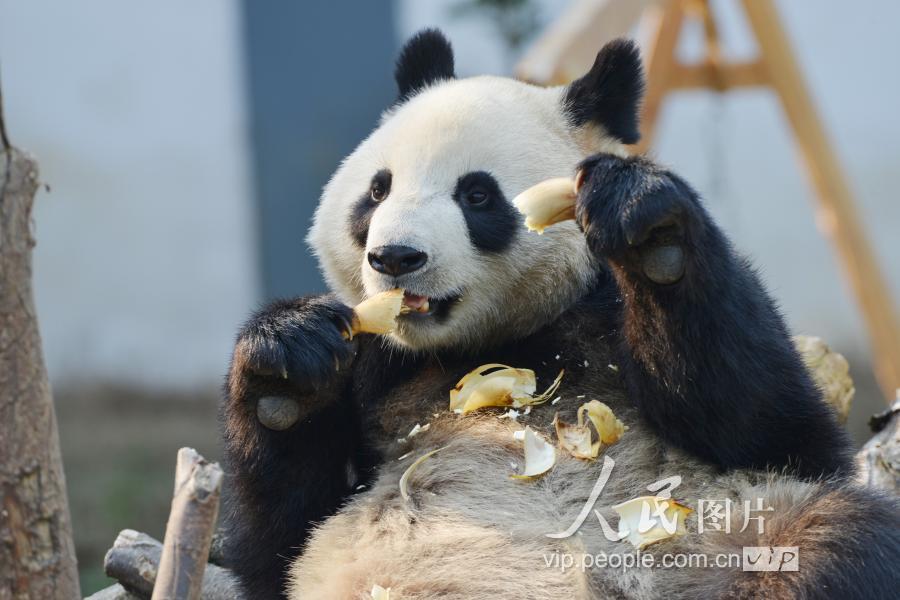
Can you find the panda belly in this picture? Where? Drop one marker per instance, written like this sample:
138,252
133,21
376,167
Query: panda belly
468,530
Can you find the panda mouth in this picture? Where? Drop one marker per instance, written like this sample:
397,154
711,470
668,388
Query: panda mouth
424,307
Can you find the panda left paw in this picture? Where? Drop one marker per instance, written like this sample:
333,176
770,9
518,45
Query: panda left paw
637,216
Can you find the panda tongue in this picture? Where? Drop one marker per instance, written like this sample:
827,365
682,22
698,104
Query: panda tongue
416,303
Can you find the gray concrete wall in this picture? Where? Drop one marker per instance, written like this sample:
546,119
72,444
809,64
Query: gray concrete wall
145,256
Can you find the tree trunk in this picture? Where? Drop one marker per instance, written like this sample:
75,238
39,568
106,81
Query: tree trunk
37,556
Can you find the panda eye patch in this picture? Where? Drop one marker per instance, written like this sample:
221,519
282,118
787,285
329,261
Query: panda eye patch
380,186
477,189
492,221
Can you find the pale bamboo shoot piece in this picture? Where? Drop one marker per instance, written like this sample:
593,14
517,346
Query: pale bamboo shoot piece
551,201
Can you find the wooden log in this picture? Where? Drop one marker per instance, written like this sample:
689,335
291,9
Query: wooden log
37,555
879,459
192,521
134,562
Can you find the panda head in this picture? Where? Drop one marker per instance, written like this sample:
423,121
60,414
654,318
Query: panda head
424,203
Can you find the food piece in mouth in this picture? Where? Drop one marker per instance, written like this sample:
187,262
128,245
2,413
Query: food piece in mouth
548,202
378,314
415,303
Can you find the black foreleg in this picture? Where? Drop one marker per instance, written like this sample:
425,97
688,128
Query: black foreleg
289,372
704,351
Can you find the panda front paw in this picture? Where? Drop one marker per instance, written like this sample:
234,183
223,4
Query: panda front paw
287,356
637,216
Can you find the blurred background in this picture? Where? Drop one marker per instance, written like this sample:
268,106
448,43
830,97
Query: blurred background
184,146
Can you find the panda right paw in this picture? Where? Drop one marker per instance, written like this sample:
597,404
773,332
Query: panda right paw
286,357
638,216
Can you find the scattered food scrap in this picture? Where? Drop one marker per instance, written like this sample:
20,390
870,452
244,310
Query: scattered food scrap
499,385
404,479
417,429
661,518
608,426
578,440
540,455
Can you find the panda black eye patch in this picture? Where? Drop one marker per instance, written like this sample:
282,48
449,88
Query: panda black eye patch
361,215
492,221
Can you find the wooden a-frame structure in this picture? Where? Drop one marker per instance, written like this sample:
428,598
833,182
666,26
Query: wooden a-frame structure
568,48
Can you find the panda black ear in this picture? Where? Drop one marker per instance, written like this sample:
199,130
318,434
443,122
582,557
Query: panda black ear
427,57
610,94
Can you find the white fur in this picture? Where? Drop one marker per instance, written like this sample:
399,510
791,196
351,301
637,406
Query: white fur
519,134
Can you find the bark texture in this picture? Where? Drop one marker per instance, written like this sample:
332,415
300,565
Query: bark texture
134,562
879,459
37,555
192,521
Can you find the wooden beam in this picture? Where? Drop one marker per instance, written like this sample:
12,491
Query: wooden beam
567,49
722,77
659,32
837,215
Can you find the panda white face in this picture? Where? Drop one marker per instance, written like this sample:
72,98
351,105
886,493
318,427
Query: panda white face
424,204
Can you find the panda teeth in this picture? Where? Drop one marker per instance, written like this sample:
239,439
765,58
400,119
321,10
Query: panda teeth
416,303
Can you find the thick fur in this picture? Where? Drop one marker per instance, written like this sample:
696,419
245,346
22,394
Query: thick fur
426,59
642,300
610,93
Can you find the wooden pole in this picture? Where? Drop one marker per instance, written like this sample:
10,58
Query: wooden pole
837,215
192,521
659,31
37,555
777,69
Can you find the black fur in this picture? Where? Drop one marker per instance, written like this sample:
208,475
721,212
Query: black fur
610,94
708,359
361,215
493,223
866,565
303,467
425,59
360,219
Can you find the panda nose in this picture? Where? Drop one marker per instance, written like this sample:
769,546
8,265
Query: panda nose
396,260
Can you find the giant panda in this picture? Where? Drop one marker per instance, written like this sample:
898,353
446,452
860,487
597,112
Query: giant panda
641,299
